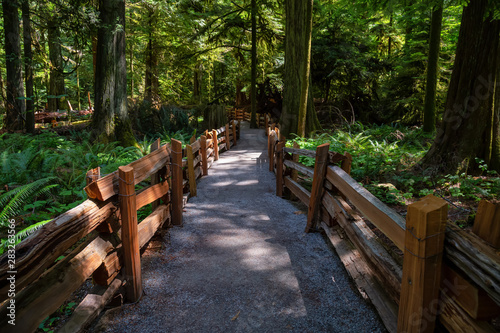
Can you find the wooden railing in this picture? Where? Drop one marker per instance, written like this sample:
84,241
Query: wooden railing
241,115
445,273
101,236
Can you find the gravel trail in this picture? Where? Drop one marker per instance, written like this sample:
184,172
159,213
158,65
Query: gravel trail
242,263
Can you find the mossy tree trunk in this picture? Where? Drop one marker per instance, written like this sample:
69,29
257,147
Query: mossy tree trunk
470,123
15,106
151,83
297,94
28,68
110,121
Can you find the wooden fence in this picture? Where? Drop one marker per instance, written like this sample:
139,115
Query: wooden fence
101,236
241,115
446,273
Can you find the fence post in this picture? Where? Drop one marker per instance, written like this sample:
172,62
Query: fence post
130,239
191,176
155,178
487,222
266,124
423,255
239,129
228,140
279,168
270,148
317,186
234,132
203,152
216,145
347,163
176,174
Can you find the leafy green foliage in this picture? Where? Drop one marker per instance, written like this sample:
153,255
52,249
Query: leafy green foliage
383,161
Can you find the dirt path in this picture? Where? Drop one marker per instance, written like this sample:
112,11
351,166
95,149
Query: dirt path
242,263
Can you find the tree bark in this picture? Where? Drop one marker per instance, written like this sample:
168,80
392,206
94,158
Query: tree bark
110,121
432,69
151,78
253,88
28,68
15,106
306,70
56,81
466,132
297,51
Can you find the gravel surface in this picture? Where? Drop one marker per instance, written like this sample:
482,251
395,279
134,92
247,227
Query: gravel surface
242,263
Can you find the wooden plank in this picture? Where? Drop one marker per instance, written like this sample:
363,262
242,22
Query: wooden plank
177,182
91,307
38,300
195,146
93,175
386,270
387,220
302,152
320,165
42,248
477,259
487,222
130,240
279,168
271,139
210,161
197,160
210,152
300,192
221,130
191,175
363,278
112,264
151,194
471,298
456,320
107,186
198,171
307,171
216,145
423,255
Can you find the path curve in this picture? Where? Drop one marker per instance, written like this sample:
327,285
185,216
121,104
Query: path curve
242,263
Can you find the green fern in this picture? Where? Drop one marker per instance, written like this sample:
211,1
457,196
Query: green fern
23,234
12,202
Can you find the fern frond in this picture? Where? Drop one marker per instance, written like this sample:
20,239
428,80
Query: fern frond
12,202
22,235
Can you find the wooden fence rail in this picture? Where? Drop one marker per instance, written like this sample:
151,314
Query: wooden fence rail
101,237
463,299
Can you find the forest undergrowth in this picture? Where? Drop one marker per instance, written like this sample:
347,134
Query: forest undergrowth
385,162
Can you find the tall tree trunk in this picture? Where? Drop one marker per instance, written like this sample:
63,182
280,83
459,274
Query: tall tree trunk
56,82
110,121
151,78
28,68
197,79
297,78
306,70
15,106
467,125
253,88
432,69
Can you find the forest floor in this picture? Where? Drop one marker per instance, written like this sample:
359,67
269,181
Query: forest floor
241,262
